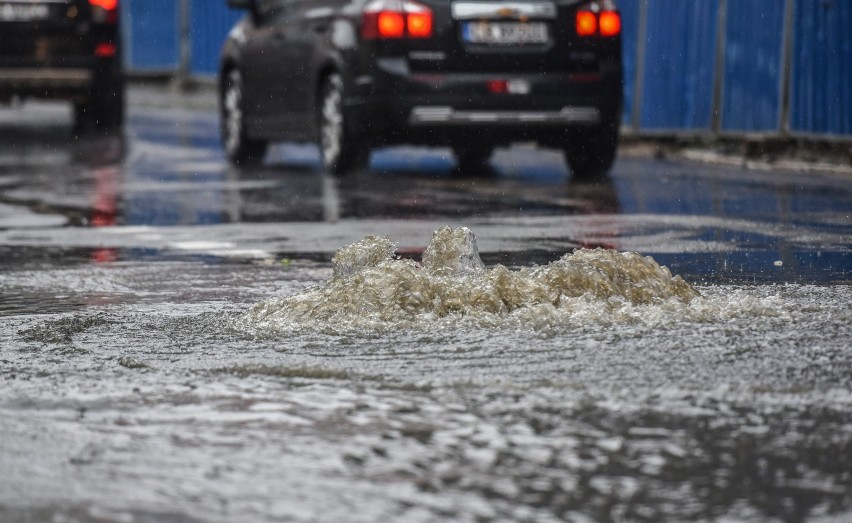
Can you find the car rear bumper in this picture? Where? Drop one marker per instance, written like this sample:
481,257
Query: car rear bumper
44,77
396,106
435,115
74,83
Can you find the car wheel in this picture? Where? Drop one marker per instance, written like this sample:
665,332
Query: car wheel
111,108
593,155
340,151
84,118
105,113
240,149
473,157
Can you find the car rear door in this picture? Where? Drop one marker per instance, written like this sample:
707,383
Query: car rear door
272,63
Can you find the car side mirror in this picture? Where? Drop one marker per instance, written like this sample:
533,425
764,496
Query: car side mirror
241,4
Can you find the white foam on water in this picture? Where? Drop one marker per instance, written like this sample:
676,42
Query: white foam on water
371,291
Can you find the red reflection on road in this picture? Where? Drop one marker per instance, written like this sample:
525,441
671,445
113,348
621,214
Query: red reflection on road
599,200
104,209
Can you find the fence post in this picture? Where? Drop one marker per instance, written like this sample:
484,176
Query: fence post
786,68
639,80
185,44
719,66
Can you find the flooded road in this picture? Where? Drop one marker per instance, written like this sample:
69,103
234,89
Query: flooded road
178,345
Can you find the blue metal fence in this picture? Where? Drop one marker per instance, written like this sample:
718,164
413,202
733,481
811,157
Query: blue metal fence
679,62
696,66
752,85
630,14
821,87
152,36
210,22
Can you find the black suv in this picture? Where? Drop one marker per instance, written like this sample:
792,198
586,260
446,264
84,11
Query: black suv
469,74
67,50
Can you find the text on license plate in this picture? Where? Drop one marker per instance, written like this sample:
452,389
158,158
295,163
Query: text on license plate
483,32
23,12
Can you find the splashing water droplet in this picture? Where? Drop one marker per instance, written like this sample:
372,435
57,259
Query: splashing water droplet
453,251
369,252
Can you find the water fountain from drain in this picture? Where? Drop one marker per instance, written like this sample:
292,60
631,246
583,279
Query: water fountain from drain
372,288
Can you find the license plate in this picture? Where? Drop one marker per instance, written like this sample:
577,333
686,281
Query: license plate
23,12
505,33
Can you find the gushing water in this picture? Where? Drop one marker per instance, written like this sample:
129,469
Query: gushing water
599,386
372,289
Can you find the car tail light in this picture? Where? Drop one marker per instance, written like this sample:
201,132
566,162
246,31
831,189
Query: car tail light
105,11
418,20
498,86
610,23
598,18
105,50
587,23
391,24
396,19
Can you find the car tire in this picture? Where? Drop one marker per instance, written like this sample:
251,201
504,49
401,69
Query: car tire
472,158
340,151
85,121
592,155
104,113
240,149
111,108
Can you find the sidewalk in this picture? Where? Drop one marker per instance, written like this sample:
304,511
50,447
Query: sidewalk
168,93
788,154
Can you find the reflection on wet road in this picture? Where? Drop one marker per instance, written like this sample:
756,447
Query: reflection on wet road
139,385
709,222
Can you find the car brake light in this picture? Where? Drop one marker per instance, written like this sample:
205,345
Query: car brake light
419,22
605,23
105,11
105,50
391,24
498,86
587,23
396,19
610,23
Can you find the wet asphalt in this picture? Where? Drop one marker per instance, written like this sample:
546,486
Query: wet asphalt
132,389
710,222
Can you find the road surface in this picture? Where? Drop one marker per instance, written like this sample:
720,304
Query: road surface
178,346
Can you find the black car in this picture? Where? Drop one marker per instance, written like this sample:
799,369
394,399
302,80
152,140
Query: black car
66,50
469,74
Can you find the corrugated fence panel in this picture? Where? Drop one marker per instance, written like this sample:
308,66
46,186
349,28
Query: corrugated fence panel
821,90
754,40
629,39
679,64
151,35
209,25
